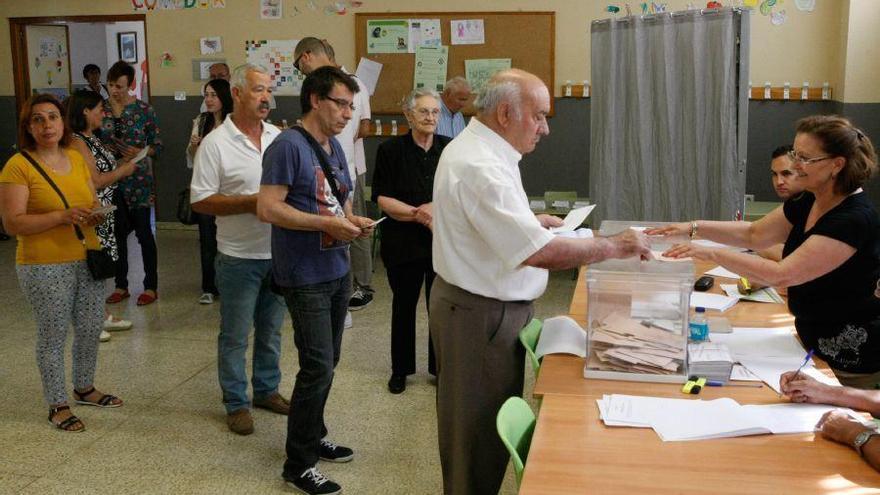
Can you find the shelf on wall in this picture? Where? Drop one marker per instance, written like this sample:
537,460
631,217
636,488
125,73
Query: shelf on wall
777,93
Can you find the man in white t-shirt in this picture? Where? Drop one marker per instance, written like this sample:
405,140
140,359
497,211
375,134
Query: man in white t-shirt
310,54
225,183
492,256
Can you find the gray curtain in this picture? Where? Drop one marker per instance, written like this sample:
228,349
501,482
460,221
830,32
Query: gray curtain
668,116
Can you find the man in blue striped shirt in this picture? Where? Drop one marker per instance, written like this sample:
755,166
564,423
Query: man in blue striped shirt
455,96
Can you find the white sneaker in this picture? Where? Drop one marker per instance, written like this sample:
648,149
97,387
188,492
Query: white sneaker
207,298
348,323
105,336
116,325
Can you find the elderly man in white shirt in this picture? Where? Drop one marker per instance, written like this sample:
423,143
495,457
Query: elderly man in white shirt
492,256
226,179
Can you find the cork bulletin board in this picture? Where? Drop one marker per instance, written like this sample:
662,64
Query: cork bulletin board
528,39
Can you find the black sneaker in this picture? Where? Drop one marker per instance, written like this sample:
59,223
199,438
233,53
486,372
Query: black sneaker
312,482
329,451
360,299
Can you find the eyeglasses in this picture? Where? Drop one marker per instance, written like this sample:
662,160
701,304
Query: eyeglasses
797,158
424,112
342,104
296,62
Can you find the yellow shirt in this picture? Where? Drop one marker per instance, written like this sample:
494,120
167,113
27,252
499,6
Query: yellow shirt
58,244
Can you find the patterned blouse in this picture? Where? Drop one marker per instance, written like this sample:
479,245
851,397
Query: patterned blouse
104,162
136,126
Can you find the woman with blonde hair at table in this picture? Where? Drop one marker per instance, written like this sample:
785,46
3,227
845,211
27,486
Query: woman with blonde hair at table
50,257
831,257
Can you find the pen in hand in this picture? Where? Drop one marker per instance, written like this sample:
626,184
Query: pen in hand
798,372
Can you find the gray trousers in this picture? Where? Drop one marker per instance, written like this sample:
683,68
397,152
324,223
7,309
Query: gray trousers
480,364
62,295
360,249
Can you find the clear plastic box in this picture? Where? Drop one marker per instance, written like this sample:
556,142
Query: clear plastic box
637,314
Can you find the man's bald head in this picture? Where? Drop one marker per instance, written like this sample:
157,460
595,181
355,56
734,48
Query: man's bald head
515,103
456,94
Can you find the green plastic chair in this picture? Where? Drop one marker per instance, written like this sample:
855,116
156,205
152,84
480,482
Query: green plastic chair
516,423
529,336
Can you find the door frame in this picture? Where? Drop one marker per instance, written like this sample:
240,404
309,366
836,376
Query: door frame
18,35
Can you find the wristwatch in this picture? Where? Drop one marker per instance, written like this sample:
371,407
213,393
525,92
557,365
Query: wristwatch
862,438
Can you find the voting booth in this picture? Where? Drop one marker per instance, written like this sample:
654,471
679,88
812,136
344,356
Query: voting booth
637,319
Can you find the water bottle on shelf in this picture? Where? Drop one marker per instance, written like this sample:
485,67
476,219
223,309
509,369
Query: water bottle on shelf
699,325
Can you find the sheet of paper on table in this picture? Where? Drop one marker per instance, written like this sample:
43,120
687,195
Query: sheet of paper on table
765,295
720,271
561,335
712,301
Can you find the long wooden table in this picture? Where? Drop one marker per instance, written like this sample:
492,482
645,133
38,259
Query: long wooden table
573,452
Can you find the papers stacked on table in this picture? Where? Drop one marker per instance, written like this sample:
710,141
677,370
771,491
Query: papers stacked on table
712,301
686,419
620,343
767,294
710,360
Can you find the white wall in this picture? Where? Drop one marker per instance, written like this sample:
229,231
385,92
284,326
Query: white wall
88,45
113,51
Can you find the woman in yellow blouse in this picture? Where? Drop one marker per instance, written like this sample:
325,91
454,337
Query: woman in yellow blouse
50,258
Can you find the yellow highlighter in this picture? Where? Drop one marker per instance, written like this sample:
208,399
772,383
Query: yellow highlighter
746,288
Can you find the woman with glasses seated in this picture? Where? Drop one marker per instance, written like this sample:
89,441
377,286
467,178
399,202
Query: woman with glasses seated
403,185
831,258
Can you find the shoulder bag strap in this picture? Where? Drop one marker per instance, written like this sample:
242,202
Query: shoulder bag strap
328,171
79,234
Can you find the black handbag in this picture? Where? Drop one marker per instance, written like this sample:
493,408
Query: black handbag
99,261
185,214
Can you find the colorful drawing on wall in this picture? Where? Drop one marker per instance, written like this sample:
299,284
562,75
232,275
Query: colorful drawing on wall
210,45
127,45
270,9
805,5
777,18
168,60
467,32
277,57
219,4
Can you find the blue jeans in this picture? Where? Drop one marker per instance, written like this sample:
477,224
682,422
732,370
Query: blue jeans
318,314
247,303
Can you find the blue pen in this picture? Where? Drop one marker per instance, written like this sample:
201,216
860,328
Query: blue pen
806,360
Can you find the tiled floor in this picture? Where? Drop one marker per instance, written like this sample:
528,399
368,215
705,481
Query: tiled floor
170,437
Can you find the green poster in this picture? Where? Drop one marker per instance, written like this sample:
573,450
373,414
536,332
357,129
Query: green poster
430,67
388,36
478,71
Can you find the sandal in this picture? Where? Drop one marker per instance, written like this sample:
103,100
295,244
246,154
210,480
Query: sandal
68,424
117,296
106,400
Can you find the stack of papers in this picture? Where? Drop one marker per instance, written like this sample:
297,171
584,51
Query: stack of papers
620,343
767,294
712,301
710,360
685,419
767,353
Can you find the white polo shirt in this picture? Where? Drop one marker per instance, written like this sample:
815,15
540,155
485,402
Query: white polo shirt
483,227
352,146
228,163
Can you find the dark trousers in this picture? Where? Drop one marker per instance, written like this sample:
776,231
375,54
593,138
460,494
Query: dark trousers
406,286
318,314
208,251
137,219
480,364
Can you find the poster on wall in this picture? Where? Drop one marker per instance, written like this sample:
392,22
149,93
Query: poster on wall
467,32
423,32
210,45
478,71
270,9
387,36
277,57
430,67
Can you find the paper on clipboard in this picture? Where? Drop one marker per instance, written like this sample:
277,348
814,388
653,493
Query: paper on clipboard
574,219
